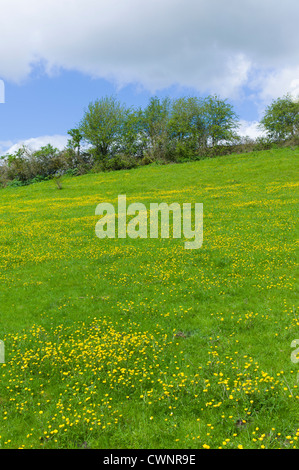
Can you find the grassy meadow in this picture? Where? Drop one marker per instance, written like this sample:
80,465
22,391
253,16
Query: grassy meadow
123,343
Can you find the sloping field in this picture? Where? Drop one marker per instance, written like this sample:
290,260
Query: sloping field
141,343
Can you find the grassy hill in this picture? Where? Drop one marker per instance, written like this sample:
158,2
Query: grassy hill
123,343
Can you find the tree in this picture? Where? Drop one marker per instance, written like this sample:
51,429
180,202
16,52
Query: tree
75,141
130,139
197,122
187,124
45,161
220,120
155,119
101,125
281,118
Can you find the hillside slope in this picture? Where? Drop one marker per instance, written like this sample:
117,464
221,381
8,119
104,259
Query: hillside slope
140,343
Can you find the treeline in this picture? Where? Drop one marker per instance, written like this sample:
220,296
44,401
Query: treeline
112,136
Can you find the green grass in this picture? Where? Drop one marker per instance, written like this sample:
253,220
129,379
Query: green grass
141,343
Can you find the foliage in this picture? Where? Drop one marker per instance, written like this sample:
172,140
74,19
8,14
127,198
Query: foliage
119,162
111,136
197,124
75,141
220,120
281,118
131,140
187,127
26,165
154,121
102,124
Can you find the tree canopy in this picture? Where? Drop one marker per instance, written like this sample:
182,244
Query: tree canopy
102,124
163,127
281,118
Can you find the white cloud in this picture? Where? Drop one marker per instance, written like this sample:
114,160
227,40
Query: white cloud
250,129
35,143
211,45
280,82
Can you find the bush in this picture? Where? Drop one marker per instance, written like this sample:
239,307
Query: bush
14,183
147,160
263,143
182,152
119,162
29,167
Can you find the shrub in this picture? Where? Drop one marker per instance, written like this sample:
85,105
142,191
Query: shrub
14,183
119,162
147,160
263,143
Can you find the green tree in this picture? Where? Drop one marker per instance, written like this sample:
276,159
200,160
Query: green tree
281,118
187,124
130,139
75,142
220,120
197,123
101,125
46,159
155,120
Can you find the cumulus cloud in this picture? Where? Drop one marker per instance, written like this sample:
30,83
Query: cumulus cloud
280,82
250,129
209,45
35,143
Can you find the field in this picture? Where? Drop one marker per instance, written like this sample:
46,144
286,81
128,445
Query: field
140,343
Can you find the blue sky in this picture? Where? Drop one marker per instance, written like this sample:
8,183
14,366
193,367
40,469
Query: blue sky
57,56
